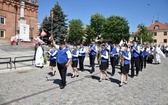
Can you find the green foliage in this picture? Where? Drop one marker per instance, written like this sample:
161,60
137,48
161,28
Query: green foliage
90,34
46,25
59,26
96,23
116,28
56,24
95,28
76,32
143,34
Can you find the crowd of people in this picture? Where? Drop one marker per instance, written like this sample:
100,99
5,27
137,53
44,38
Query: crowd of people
127,56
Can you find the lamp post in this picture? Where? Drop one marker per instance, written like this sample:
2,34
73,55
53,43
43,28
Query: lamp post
16,8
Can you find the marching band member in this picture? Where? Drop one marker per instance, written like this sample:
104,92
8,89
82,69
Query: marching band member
114,53
125,65
75,53
93,51
63,59
141,56
104,62
135,59
82,54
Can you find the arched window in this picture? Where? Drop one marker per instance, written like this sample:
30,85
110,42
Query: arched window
156,27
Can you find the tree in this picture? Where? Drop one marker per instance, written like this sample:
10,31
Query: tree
90,34
76,32
46,25
116,28
96,23
143,35
58,23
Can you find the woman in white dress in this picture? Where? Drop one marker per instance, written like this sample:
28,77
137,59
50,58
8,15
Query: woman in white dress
39,56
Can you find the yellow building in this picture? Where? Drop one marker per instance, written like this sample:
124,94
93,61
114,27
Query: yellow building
160,32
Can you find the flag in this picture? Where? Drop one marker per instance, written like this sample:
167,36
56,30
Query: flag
43,33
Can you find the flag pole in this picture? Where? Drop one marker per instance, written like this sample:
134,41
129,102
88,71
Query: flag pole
52,16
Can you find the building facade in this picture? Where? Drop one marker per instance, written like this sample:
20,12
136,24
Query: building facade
11,13
160,33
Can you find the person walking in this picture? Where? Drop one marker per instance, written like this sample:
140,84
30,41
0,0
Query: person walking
114,53
108,47
141,57
63,59
135,59
39,56
103,57
52,55
82,54
93,51
125,67
145,53
75,53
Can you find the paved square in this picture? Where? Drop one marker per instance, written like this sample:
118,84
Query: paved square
28,85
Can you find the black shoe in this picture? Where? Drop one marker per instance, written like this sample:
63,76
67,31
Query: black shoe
112,74
77,75
53,73
100,80
72,76
91,72
62,87
120,85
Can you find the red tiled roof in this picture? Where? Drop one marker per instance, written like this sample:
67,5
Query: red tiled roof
161,26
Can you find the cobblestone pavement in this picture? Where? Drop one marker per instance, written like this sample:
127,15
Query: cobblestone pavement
31,87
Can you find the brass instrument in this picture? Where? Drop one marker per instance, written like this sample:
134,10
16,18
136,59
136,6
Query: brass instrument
99,58
122,59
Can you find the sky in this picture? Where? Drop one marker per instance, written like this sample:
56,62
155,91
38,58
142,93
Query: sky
135,11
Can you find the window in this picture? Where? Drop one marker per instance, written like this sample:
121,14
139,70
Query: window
155,33
155,40
165,40
156,27
2,20
165,33
2,34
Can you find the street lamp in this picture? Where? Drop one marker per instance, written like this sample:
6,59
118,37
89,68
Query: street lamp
16,8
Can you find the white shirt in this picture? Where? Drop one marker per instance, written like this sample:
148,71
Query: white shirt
82,50
96,49
142,49
129,56
77,53
137,48
166,48
69,55
54,52
108,47
105,56
116,52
